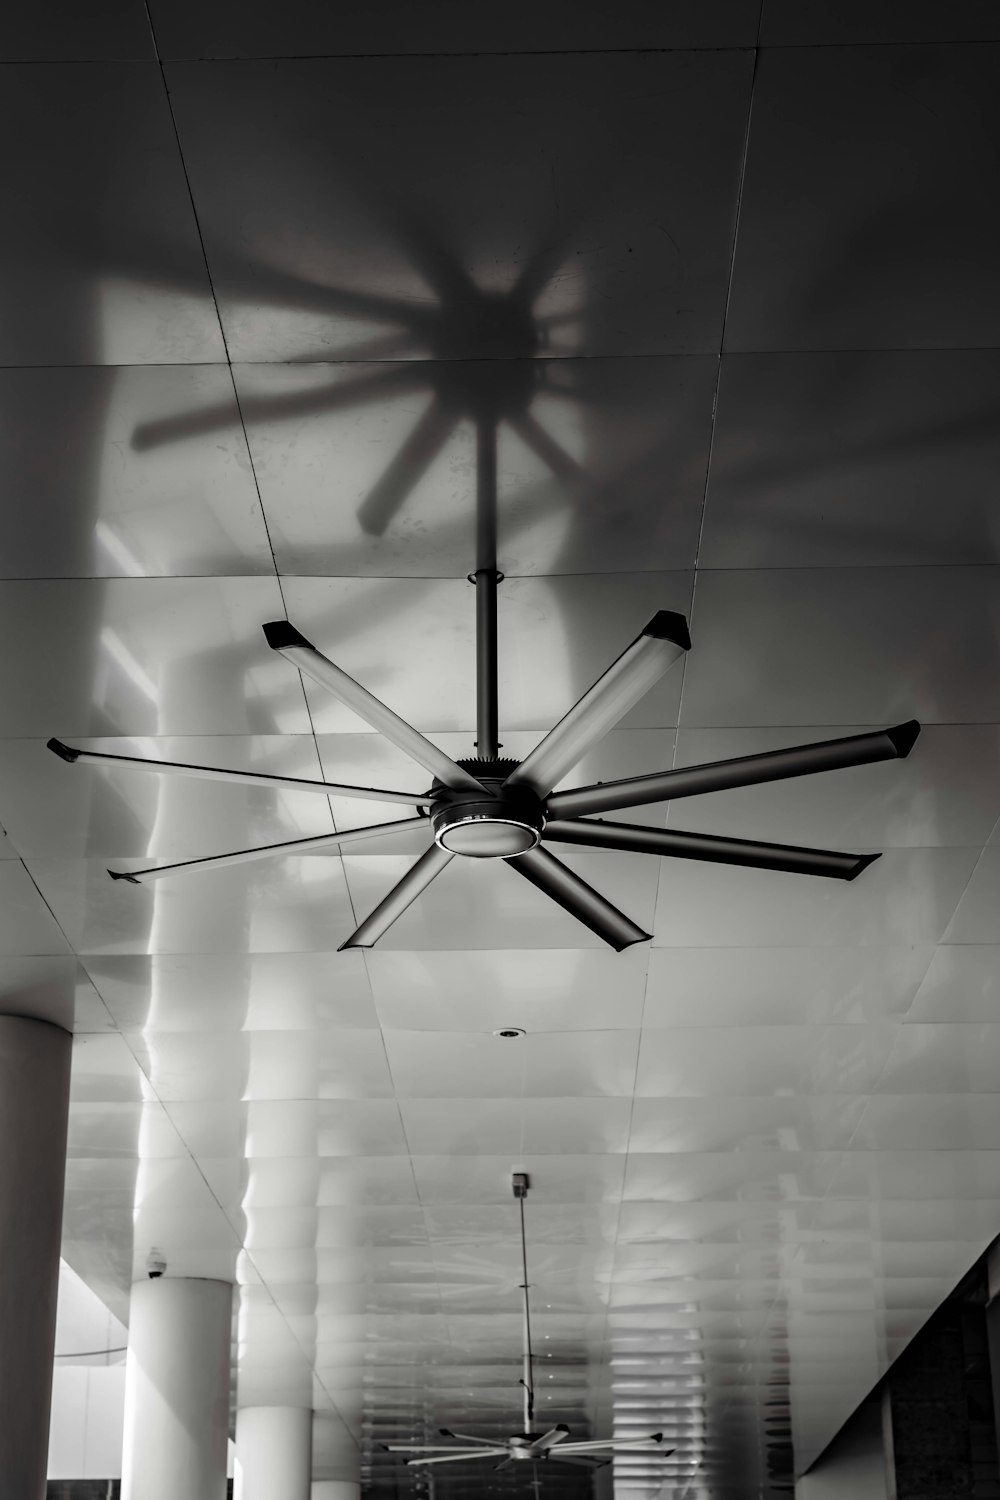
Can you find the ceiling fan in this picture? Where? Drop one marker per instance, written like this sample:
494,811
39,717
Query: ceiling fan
488,807
527,1446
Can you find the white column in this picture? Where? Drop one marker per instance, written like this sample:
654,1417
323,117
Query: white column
34,1107
177,1390
273,1453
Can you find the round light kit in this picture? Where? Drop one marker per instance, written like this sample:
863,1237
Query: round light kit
510,1032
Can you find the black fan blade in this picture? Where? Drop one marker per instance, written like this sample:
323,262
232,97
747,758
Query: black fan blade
663,642
314,845
406,891
578,898
747,770
705,846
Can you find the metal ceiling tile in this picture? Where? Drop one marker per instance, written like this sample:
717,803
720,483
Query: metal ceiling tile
271,907
849,460
884,238
977,919
101,260
234,992
192,1066
962,983
762,1060
606,472
633,204
109,499
26,920
515,1127
538,989
59,30
793,986
823,1122
150,656
824,22
52,809
226,29
843,646
458,1065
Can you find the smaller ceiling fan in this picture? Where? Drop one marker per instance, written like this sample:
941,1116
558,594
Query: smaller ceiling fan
527,1446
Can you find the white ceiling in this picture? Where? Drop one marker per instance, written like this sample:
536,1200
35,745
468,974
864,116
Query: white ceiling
762,1147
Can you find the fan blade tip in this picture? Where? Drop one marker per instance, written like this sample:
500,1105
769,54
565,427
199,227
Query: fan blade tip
904,737
121,875
644,937
562,1427
65,752
864,860
445,1432
667,625
280,634
656,1437
350,944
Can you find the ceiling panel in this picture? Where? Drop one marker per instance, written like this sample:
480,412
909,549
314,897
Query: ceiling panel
61,30
101,259
835,23
582,450
907,896
863,224
145,656
233,992
843,646
851,460
94,497
26,920
307,27
273,906
613,238
51,808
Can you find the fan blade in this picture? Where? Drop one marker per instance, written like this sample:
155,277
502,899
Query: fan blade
705,846
243,778
578,898
455,1458
747,770
642,664
619,1443
582,1461
293,646
416,879
267,851
505,1464
422,1447
551,1438
466,1437
414,458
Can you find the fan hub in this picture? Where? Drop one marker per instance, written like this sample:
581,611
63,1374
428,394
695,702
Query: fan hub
492,824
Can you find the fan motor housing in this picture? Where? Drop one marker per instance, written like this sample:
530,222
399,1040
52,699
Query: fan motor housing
493,824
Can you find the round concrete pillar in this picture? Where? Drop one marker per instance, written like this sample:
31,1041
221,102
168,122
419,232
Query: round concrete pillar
273,1453
177,1390
34,1108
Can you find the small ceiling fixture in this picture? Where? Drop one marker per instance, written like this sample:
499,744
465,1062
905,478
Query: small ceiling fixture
527,1446
488,807
510,1031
